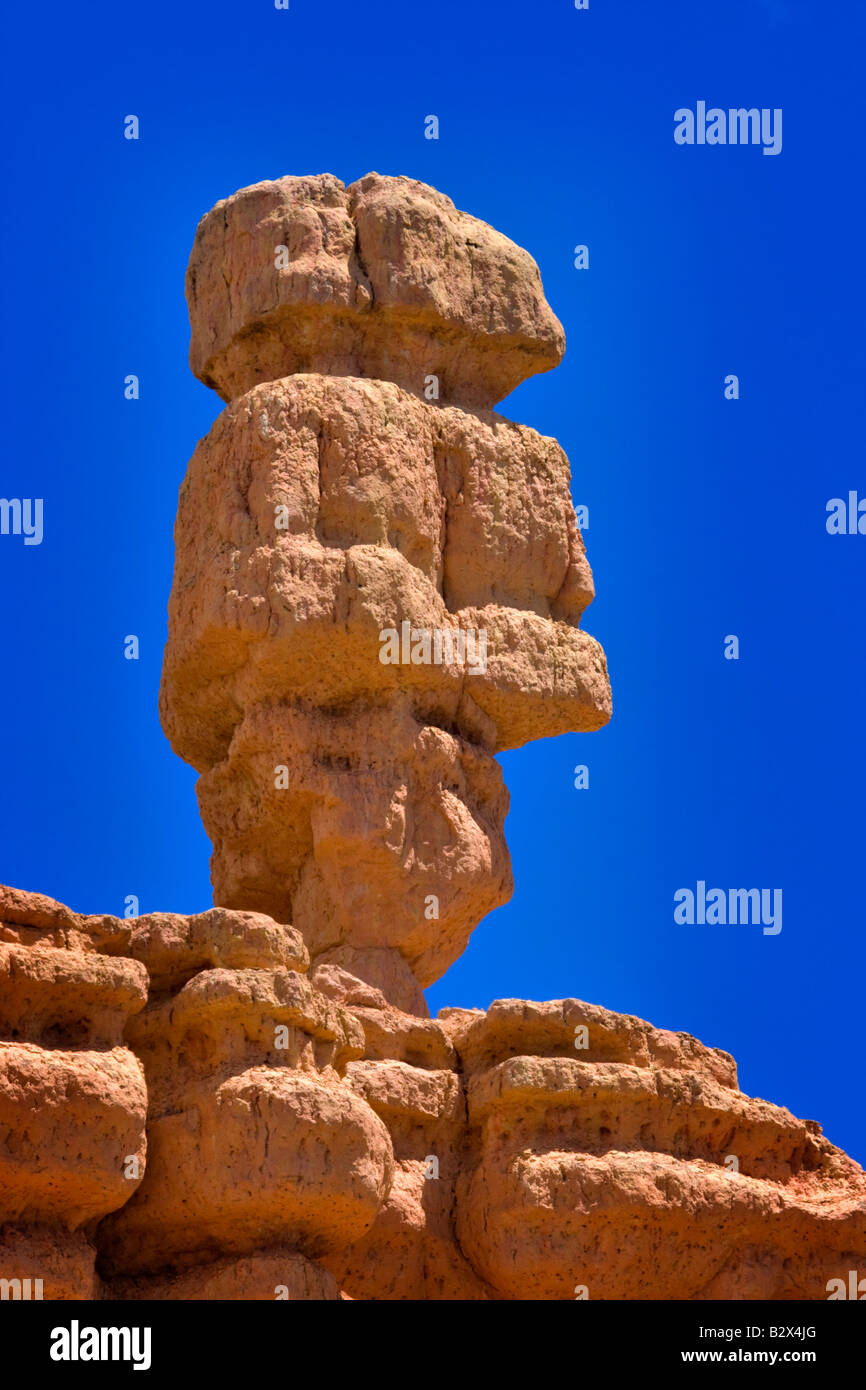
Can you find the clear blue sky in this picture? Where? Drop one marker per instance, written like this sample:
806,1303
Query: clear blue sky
707,517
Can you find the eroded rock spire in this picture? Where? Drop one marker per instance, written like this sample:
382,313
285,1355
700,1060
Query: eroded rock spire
354,516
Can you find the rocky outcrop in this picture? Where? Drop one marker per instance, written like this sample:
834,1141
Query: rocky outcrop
72,1095
379,585
307,1139
244,1062
612,1160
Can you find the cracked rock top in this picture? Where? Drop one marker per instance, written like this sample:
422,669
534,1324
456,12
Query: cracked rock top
384,279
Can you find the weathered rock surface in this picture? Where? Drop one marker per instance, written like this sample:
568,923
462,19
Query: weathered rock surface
306,1139
265,1276
72,1096
384,279
634,1168
247,1102
395,511
389,833
375,591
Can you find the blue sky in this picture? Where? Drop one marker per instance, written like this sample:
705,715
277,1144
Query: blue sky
707,516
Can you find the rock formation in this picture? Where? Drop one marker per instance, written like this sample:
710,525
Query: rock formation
333,519
73,1100
307,1139
379,585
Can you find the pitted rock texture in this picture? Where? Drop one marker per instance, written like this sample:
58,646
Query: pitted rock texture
266,1276
378,582
395,511
390,833
72,1096
255,1140
307,1139
605,1168
384,279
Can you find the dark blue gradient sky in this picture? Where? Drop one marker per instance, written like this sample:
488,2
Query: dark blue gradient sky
707,517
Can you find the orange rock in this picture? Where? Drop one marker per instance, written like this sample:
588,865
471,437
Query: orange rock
72,1097
309,1140
374,590
389,835
371,976
265,1157
384,279
70,1121
410,1252
634,1168
174,948
49,1263
395,511
248,1103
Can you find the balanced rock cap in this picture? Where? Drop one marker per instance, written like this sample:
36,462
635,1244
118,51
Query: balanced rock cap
383,279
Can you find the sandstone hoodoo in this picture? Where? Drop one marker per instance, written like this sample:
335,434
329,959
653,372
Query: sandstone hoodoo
379,585
358,486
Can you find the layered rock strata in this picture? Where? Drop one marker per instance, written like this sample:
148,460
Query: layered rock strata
307,1139
245,1063
612,1160
72,1096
